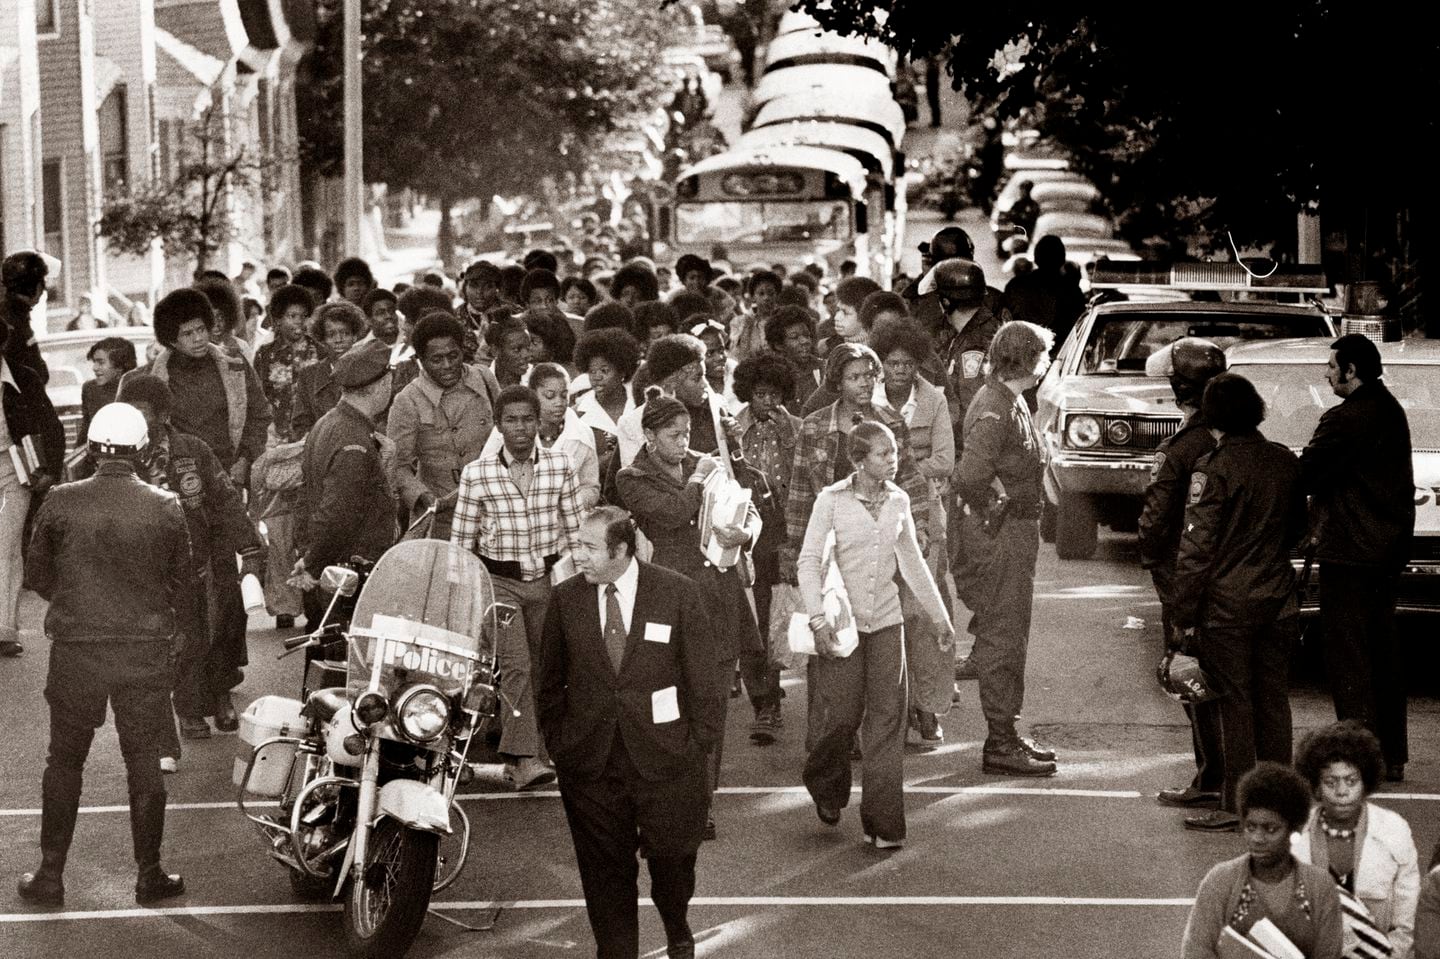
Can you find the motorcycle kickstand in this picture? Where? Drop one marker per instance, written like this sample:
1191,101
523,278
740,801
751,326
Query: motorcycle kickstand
488,927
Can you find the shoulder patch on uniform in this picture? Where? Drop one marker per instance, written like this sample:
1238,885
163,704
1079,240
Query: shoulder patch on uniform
1197,486
191,484
971,363
355,448
988,415
1155,467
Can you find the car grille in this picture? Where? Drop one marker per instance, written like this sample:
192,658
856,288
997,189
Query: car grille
1147,433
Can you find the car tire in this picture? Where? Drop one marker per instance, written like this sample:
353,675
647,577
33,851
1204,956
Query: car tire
1047,522
1076,528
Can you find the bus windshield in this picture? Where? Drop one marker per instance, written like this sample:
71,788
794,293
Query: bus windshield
762,222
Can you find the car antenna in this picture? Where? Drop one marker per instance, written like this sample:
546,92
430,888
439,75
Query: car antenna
1238,259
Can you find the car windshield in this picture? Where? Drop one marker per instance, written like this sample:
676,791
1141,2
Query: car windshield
1122,342
752,222
1296,396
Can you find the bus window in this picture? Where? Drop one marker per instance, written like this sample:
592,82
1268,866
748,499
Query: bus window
762,222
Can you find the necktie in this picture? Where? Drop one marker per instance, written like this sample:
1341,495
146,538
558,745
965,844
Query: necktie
614,627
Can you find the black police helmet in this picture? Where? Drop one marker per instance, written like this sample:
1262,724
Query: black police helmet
951,241
1193,363
959,283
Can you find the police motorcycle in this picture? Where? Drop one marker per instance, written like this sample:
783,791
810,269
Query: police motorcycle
365,774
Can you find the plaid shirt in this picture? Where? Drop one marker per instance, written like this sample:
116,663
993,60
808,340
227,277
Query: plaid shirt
495,520
821,446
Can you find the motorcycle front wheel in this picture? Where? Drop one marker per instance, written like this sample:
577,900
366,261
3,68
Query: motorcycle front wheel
386,902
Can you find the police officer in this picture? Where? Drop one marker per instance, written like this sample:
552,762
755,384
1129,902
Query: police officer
998,483
349,500
219,529
1190,363
1234,589
112,555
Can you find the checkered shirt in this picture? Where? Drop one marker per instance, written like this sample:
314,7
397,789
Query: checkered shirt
494,519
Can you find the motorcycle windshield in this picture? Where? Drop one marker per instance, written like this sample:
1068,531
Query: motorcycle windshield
421,618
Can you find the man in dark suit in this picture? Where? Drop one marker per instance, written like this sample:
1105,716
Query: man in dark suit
629,697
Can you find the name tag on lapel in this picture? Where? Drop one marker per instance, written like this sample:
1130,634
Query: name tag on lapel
665,705
657,633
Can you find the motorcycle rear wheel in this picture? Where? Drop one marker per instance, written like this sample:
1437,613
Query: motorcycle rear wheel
386,903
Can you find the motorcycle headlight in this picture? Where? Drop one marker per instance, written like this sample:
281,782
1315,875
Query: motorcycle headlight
1082,431
1119,432
423,713
371,707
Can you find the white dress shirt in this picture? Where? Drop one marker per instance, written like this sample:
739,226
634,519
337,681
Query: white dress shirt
625,588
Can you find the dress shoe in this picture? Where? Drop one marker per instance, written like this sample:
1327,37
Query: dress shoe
42,888
154,885
709,833
529,773
880,843
11,647
284,621
1216,820
1036,751
1187,796
196,728
830,817
762,730
965,669
1395,772
1013,760
169,764
226,719
680,950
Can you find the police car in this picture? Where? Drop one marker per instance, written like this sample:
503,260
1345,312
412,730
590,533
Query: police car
1290,376
1101,418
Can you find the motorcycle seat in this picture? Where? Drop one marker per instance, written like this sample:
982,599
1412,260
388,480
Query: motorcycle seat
323,704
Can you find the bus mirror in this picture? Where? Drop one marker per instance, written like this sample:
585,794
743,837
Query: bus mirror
862,218
662,222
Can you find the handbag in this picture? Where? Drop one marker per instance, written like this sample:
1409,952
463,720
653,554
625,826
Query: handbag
784,603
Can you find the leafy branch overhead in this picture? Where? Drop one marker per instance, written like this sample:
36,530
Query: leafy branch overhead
1248,112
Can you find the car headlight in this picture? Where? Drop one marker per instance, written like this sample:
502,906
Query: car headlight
1082,431
1119,432
423,712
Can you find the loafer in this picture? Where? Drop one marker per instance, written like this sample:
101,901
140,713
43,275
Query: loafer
1395,772
881,843
226,719
1216,820
965,669
1013,760
11,648
154,885
1187,796
194,728
1036,751
530,773
829,816
42,889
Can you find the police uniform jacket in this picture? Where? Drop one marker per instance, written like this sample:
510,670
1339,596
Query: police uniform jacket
112,555
349,508
1359,470
958,365
583,705
215,514
1163,513
1000,442
1243,512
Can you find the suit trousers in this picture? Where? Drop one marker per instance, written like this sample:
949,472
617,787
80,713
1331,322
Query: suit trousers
869,686
1204,717
1001,578
519,648
611,818
1251,667
1361,652
228,623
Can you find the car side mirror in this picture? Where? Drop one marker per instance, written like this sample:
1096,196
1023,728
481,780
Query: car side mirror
340,580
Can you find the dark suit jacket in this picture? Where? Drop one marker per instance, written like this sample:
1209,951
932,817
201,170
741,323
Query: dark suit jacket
582,704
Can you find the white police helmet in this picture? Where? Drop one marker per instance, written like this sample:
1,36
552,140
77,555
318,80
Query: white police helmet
118,429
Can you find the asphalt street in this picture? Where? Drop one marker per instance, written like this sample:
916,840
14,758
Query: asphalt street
1084,864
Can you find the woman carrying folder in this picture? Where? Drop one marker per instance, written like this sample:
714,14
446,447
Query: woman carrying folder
874,537
1242,903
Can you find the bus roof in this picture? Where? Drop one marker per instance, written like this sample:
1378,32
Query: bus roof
875,152
847,168
873,112
799,47
801,78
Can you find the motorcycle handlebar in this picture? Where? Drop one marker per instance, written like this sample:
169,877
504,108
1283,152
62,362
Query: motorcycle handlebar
295,642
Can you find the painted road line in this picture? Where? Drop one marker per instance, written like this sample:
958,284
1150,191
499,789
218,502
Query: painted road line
739,791
731,901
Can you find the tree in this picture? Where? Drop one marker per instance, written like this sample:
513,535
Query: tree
190,216
1221,117
473,98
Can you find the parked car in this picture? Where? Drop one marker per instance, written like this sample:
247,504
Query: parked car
1290,376
1067,225
64,354
1101,418
1066,196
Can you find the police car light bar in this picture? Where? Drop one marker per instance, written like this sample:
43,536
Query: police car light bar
1119,274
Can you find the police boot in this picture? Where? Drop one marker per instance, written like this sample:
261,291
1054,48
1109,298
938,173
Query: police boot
147,828
45,886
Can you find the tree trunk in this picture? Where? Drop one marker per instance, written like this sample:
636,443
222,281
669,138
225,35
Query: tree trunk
445,242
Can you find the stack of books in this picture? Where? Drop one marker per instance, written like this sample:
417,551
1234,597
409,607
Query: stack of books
1263,941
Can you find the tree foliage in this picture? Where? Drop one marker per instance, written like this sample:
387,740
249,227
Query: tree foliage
1235,116
472,98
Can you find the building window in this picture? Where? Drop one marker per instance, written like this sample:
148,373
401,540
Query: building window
47,19
52,180
114,141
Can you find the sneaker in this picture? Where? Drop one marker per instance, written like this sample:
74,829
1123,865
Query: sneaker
529,773
168,764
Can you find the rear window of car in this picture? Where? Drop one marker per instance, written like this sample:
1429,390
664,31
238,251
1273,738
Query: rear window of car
1122,342
1296,395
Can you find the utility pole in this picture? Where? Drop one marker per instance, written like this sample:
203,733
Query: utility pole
354,117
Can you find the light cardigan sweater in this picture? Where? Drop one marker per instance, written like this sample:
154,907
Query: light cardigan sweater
1219,896
1387,870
